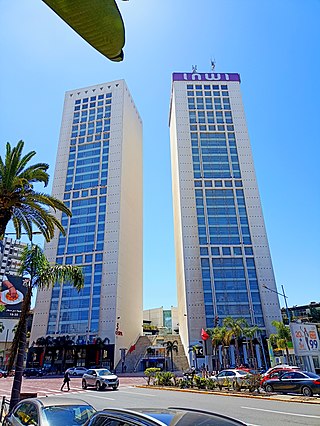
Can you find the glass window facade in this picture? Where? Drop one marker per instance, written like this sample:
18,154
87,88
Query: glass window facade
229,278
86,191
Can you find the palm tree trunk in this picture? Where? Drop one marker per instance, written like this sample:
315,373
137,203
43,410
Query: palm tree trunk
171,356
224,357
253,355
21,336
287,353
236,345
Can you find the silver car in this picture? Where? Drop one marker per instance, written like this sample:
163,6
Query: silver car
100,378
232,377
49,411
77,371
160,417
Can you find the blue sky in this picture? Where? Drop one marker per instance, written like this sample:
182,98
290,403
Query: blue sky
273,45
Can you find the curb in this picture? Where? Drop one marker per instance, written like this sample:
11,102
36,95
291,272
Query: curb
274,397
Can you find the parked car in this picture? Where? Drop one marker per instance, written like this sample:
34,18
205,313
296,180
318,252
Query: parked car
29,372
294,381
233,376
281,367
49,411
77,371
3,373
100,378
160,417
277,372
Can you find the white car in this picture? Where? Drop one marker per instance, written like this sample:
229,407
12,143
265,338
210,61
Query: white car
280,367
232,376
100,378
77,371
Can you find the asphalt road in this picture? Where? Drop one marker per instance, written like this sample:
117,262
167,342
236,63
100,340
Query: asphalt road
252,411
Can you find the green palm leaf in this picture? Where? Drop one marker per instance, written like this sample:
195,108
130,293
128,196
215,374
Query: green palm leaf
19,202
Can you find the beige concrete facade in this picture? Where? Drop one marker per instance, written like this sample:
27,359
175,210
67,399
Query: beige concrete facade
121,284
191,306
156,316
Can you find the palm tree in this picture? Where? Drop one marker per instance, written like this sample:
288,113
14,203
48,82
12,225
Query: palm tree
19,201
236,328
42,275
251,332
217,334
171,346
281,338
226,336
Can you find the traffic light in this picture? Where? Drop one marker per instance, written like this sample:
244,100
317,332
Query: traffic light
99,22
216,321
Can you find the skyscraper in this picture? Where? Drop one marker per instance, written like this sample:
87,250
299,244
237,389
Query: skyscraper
223,262
98,174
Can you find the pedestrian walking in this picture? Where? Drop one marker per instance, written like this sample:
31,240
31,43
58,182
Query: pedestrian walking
66,380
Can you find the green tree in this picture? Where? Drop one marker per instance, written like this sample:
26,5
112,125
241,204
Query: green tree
314,314
217,334
224,336
281,338
19,201
35,265
250,333
171,346
236,328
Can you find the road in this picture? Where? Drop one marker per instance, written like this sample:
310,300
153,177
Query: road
252,411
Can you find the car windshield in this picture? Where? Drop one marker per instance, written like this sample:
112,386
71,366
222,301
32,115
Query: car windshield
71,415
104,372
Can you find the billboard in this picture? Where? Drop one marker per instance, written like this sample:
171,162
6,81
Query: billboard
211,76
12,292
305,339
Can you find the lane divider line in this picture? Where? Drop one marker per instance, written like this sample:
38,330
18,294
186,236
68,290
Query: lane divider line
282,412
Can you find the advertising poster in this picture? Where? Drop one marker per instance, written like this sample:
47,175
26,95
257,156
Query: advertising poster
305,339
12,292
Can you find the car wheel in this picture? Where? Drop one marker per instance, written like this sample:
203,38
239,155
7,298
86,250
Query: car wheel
114,388
98,386
269,388
306,391
84,384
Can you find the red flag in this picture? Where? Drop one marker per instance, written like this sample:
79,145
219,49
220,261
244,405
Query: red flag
204,334
131,349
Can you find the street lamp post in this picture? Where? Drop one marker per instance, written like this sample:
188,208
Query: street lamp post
285,299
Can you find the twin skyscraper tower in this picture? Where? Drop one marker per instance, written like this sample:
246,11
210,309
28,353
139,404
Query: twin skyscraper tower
223,263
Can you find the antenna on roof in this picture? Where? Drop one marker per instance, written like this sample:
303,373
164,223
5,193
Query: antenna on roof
213,64
194,69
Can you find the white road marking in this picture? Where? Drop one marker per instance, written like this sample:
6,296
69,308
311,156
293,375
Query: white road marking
282,412
101,397
136,393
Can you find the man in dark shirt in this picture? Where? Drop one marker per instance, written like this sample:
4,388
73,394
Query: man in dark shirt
66,380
